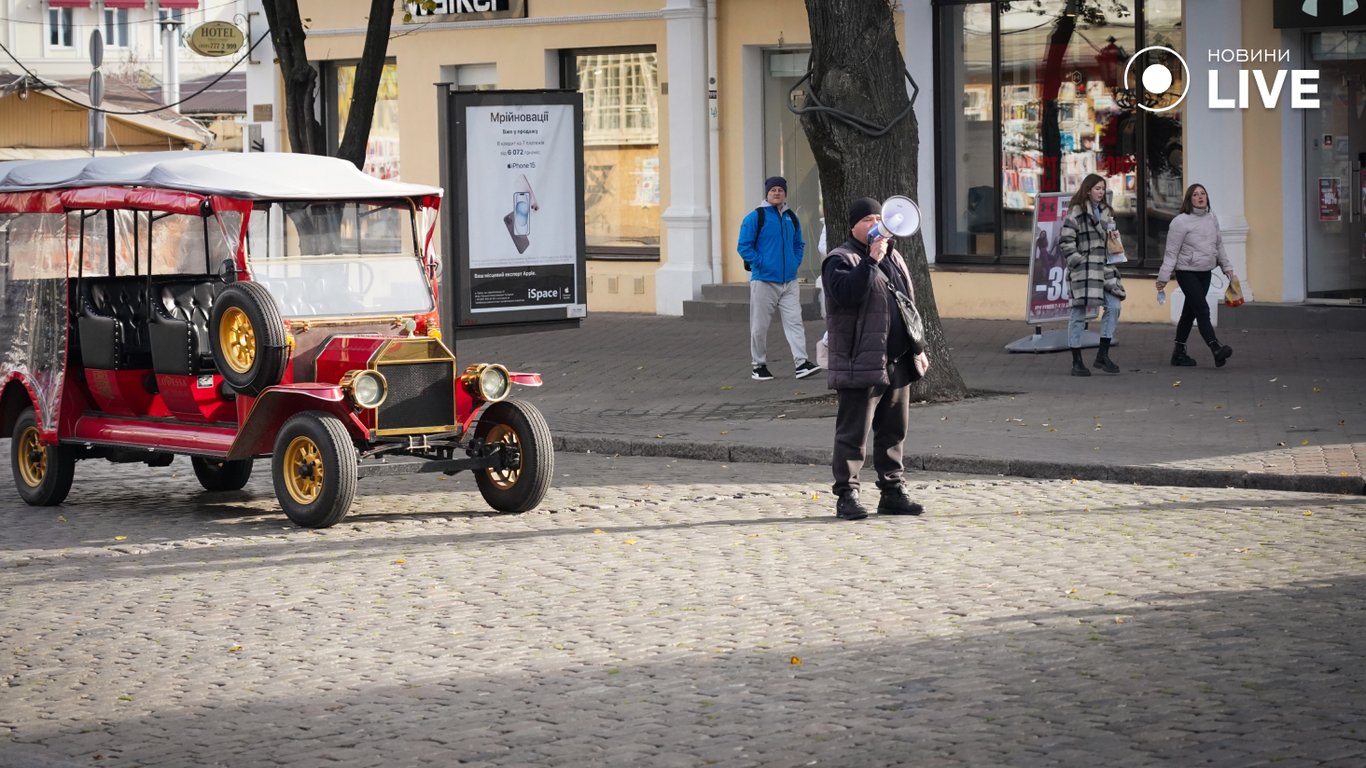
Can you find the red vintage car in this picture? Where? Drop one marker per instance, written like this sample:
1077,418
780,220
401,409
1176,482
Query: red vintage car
230,307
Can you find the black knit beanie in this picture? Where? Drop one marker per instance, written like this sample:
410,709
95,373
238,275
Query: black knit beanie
862,207
775,181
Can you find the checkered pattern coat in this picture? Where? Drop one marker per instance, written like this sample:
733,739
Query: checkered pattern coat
1083,242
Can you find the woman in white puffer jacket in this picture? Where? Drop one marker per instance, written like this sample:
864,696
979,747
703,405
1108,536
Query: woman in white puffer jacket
1194,249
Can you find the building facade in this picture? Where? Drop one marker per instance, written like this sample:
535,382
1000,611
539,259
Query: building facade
686,112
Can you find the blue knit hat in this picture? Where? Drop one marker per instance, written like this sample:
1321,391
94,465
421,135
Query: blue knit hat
775,181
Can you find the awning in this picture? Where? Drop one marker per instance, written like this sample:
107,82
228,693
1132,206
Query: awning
68,3
190,4
125,3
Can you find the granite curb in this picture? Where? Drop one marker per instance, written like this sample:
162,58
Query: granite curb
1030,468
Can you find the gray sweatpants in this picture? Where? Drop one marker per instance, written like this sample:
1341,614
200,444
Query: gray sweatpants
763,298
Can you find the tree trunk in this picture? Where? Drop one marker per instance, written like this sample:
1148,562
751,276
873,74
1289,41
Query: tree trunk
857,68
301,80
368,74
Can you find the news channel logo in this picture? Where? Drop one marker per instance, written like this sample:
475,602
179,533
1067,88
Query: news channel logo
1153,84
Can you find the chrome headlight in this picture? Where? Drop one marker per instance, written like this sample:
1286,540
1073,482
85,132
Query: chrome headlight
487,381
365,388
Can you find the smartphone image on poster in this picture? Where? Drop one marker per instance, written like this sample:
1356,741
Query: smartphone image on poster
521,213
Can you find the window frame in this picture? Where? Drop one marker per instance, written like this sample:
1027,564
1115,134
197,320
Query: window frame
61,22
116,28
569,79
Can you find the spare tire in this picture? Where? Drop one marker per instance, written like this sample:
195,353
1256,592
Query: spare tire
248,338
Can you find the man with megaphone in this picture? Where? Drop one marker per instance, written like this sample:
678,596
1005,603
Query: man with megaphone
876,351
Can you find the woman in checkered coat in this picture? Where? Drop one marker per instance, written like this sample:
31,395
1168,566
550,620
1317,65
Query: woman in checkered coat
1091,281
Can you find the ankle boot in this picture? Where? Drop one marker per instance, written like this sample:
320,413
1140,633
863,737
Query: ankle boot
1179,356
1078,367
1103,361
1221,353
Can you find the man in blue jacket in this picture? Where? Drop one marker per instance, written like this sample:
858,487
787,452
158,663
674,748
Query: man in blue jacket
771,246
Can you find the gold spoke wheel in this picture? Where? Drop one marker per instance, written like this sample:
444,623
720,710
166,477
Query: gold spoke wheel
304,474
32,458
504,479
237,340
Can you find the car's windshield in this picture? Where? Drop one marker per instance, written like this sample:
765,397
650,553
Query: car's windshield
338,258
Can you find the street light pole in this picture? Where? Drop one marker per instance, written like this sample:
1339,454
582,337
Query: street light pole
170,62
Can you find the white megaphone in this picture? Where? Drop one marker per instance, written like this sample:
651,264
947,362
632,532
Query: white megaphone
900,217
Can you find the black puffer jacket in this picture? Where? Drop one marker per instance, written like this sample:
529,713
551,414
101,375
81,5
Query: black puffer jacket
858,316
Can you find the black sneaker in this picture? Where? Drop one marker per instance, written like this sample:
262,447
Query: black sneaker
806,369
894,501
760,373
848,507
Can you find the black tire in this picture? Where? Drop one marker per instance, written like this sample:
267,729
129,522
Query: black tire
521,489
217,475
248,338
42,473
314,467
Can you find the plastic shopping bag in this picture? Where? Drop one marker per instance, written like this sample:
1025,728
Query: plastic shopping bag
1233,294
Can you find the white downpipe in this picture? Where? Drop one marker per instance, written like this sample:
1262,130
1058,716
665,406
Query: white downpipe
713,146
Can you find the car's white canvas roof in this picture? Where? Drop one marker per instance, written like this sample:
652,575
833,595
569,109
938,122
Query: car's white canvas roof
253,175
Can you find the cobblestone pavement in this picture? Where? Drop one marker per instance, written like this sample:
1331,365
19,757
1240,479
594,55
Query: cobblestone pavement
682,613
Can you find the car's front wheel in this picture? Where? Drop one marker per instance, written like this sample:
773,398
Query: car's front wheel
315,469
519,424
42,472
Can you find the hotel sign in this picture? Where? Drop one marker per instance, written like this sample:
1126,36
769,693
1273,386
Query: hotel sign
466,10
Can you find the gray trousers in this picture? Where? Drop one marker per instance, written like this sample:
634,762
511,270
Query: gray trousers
886,412
764,297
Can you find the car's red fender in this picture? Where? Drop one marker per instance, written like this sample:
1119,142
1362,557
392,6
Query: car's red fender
277,404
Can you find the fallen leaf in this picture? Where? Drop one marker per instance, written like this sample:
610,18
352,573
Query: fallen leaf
1273,381
400,562
1308,513
599,530
1316,389
235,649
120,538
629,541
1304,441
1120,619
1176,383
725,431
125,697
794,661
728,386
62,518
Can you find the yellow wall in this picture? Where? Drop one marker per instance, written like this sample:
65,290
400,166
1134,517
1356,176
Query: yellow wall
1263,159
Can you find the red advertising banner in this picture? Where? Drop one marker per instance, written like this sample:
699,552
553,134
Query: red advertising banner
1047,299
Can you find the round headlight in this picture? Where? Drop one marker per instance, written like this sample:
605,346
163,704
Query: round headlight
494,383
368,389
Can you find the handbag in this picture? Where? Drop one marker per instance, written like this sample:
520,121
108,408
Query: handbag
915,326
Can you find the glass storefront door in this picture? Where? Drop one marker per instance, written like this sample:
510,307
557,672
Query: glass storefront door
788,154
1335,172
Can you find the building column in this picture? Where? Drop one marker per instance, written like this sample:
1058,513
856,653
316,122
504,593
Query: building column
1214,137
264,112
917,48
687,220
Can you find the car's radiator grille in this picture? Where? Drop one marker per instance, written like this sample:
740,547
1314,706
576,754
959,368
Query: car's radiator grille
421,396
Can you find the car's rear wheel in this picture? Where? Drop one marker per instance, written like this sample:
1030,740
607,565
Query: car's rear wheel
315,469
42,472
248,338
517,423
217,475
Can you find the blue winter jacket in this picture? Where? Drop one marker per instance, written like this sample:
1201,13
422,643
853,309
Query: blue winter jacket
779,249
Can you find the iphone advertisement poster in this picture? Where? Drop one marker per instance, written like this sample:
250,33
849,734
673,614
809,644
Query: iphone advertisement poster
521,202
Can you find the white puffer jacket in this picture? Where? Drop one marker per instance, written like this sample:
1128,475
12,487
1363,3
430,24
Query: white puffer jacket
1194,245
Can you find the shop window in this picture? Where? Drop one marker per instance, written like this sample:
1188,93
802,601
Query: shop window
787,153
620,90
381,151
1033,102
116,27
59,27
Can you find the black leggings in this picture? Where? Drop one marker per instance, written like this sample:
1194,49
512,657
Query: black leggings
1195,285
